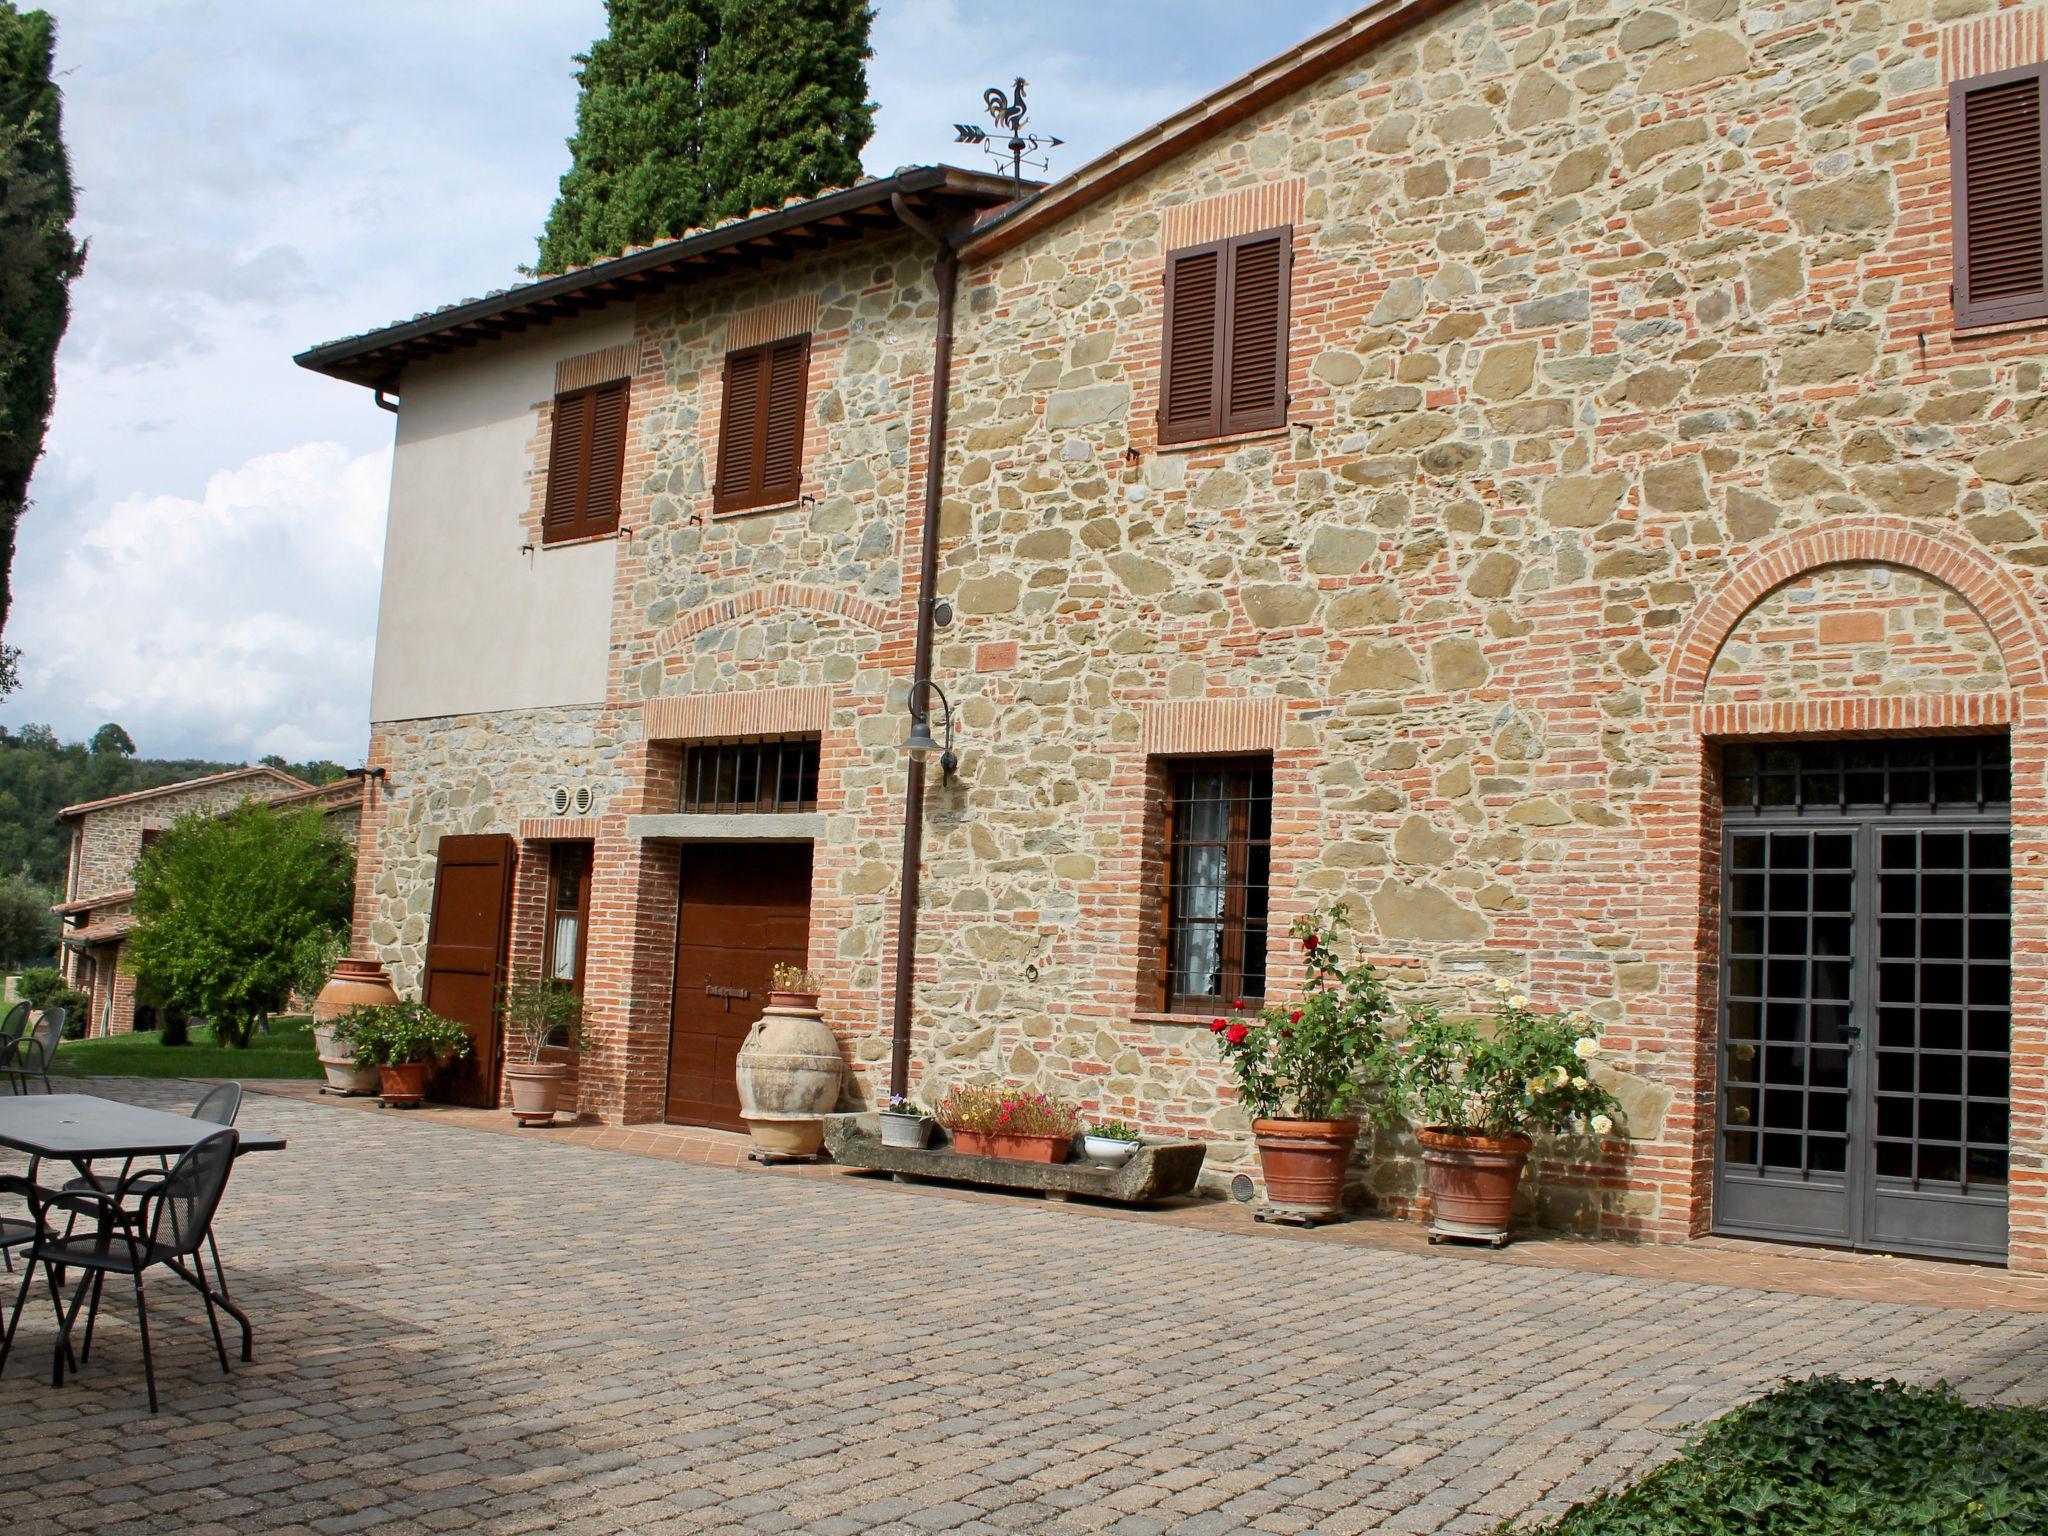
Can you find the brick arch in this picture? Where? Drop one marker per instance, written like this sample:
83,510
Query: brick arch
824,601
1981,581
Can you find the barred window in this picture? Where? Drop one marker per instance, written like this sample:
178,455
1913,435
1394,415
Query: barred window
1219,824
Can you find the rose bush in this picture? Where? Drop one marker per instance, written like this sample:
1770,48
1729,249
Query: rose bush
1313,1059
1527,1071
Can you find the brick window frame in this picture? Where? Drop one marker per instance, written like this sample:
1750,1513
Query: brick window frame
1998,187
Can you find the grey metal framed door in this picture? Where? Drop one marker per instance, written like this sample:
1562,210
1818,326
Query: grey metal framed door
1865,995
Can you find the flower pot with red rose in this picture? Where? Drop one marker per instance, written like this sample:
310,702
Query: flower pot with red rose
1304,1068
404,1041
1014,1123
1477,1093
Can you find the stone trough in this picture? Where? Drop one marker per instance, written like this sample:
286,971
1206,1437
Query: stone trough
1160,1170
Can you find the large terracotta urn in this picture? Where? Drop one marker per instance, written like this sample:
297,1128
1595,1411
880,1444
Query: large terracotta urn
356,983
789,1073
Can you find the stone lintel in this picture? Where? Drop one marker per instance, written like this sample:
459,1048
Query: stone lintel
747,827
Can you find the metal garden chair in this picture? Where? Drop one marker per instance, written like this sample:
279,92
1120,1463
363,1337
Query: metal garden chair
29,1058
169,1223
15,1024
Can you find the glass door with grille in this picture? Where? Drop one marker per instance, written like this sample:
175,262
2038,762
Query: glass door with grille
1866,962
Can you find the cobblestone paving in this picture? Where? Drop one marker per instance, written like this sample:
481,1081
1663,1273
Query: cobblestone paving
463,1331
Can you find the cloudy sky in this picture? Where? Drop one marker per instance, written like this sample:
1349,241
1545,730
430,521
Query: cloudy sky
200,561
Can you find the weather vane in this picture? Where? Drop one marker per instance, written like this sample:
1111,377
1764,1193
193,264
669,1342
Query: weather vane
1008,114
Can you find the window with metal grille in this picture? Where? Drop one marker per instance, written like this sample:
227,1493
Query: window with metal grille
586,463
1224,352
761,430
1219,826
1998,170
1922,775
739,777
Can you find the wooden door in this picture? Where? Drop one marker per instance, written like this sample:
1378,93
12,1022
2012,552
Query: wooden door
466,958
743,909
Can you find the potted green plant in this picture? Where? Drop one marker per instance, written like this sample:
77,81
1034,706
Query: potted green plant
1012,1123
403,1041
541,1013
1475,1096
1110,1143
1302,1069
905,1123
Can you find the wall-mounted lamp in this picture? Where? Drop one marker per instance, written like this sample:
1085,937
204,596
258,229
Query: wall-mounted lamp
921,742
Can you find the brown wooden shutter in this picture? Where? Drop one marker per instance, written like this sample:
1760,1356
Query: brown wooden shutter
1255,356
761,431
607,459
782,448
1998,132
586,463
567,453
738,483
1191,367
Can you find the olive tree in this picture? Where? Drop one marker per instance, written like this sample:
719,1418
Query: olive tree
227,906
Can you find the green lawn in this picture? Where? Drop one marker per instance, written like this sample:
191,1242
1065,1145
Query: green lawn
287,1051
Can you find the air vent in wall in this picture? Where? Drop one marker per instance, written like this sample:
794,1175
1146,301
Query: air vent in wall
584,799
558,800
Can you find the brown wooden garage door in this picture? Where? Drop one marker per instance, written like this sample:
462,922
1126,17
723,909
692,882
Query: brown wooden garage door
466,958
743,908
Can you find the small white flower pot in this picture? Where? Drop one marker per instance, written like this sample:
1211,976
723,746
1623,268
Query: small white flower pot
905,1130
1105,1152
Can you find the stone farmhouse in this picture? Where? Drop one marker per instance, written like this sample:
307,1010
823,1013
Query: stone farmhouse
107,838
1567,479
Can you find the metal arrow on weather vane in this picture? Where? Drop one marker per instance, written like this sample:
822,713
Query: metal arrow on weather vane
1008,112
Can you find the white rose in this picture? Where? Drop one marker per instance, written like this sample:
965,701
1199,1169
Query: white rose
1602,1125
1578,1082
1519,1000
1537,1087
1585,1048
1502,984
1561,1076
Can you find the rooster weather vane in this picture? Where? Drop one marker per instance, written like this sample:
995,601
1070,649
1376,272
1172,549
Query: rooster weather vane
1008,114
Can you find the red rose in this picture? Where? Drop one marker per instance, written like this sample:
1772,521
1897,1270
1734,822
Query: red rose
1239,1004
1235,1034
1217,1026
1308,943
1294,1017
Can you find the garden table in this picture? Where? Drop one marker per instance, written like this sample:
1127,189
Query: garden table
80,1128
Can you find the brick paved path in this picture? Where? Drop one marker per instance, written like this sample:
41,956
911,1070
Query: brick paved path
463,1331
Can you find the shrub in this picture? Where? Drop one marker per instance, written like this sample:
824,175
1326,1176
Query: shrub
543,1012
1526,1071
1006,1111
400,1034
177,1028
1314,1059
77,1008
38,985
1826,1457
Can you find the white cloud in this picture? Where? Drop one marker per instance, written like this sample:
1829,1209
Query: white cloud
238,622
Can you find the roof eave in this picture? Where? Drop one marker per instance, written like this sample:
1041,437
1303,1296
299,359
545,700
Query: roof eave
374,358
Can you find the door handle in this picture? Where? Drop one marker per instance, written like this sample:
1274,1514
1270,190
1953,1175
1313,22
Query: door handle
1852,1033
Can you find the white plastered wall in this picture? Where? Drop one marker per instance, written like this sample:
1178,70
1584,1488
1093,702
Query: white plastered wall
468,622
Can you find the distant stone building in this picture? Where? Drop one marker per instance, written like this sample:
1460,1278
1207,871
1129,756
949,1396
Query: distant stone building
1567,479
107,839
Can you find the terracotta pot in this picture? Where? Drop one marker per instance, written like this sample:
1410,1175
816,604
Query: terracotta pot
971,1144
1304,1163
536,1088
1029,1149
788,1075
403,1087
339,1063
797,1000
1472,1182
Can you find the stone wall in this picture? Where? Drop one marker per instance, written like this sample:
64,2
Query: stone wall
103,859
1594,305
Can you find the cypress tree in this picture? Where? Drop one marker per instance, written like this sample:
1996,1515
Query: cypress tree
38,260
787,110
697,110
